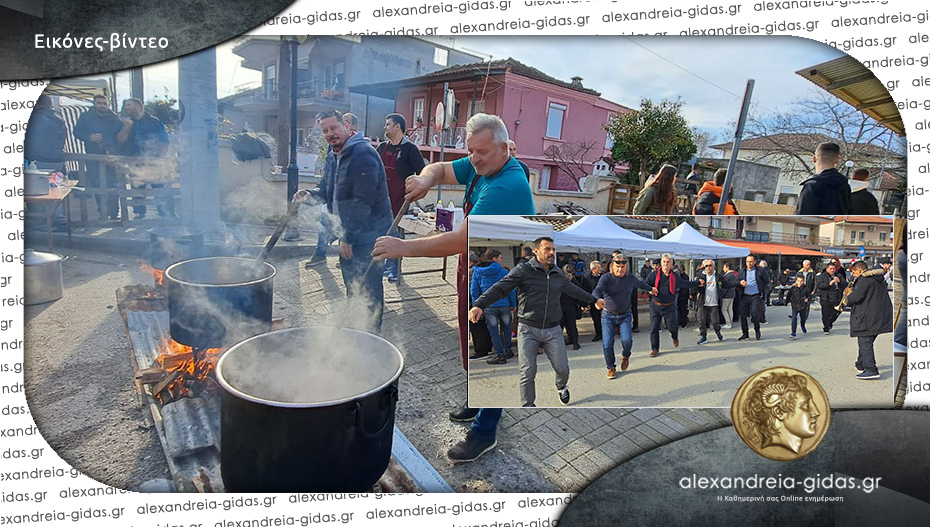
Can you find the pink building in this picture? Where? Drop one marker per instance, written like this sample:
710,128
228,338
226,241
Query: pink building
541,113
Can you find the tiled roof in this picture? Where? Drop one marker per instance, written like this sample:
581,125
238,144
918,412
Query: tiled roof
861,219
798,142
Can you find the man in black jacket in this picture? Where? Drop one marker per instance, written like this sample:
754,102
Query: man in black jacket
589,283
828,192
862,202
401,159
752,280
786,278
45,139
98,128
663,305
539,285
872,314
809,283
709,296
830,285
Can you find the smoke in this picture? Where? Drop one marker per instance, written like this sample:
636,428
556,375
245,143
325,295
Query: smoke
310,365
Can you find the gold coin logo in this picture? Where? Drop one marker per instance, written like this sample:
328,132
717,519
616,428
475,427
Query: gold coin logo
781,413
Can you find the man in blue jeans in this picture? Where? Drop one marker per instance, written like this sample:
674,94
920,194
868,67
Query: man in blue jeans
497,316
497,185
616,288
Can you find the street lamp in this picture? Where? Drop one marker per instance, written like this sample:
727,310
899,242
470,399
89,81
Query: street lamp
849,165
291,234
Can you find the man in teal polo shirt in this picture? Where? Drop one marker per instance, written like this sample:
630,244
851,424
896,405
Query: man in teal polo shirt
494,184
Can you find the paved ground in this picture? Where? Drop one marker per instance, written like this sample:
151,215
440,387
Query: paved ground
697,376
80,389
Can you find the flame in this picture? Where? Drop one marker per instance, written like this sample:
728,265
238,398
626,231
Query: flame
157,274
176,357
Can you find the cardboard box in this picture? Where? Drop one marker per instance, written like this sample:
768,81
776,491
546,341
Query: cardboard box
449,219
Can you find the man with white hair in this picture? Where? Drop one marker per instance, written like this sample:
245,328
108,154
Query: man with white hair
667,284
709,297
495,184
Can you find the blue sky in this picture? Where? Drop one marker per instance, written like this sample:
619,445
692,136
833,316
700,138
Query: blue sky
708,73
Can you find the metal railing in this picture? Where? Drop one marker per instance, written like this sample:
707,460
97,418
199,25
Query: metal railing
311,89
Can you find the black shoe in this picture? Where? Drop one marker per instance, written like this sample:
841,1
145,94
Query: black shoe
702,340
866,375
744,336
497,359
509,354
635,329
596,338
481,356
564,396
471,448
719,336
576,346
758,335
463,414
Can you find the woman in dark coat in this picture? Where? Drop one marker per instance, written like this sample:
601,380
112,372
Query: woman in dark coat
872,314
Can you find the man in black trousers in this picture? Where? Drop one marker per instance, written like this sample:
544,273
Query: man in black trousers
753,281
830,285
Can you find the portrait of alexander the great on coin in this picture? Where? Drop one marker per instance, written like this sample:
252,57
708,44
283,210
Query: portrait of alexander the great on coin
779,410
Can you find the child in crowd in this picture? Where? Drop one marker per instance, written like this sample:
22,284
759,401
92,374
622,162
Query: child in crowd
798,297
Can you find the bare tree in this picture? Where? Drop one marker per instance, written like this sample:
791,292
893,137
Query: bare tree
817,118
574,158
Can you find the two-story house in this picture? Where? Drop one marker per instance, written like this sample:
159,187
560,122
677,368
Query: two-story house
558,126
326,67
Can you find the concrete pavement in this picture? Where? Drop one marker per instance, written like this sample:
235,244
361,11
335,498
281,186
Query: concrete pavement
697,376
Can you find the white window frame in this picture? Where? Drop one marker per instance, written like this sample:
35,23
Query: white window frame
544,177
441,57
560,106
419,108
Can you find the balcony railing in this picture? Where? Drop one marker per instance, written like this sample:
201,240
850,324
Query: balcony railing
769,237
312,89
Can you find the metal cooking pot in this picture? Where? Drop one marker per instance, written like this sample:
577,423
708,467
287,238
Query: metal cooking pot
218,301
307,410
174,245
36,182
43,278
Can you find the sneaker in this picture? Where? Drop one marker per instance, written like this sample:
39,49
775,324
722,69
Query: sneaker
803,329
655,353
868,375
497,359
703,340
509,354
596,338
728,326
392,278
316,259
719,336
793,336
576,346
744,336
611,373
635,329
471,448
624,363
826,331
476,356
463,414
564,396
859,368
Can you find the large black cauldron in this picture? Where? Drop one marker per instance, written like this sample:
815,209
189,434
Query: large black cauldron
307,410
218,301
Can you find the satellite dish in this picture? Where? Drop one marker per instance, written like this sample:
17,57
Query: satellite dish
440,116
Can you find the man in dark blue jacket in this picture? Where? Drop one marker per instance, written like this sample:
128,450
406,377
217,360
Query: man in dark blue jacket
664,302
616,288
354,189
98,128
498,315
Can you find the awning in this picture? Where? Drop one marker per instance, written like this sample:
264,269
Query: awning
78,88
847,79
773,248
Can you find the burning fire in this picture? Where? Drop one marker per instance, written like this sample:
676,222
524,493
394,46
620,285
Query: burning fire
178,361
158,274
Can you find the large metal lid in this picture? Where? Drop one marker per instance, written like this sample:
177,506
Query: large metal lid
33,257
309,367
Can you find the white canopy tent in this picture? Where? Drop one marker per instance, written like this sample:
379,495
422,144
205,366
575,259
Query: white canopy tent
601,234
505,230
685,242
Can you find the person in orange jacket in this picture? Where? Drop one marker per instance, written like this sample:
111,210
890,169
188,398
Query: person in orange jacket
709,196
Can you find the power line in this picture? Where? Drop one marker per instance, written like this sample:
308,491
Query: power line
682,68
